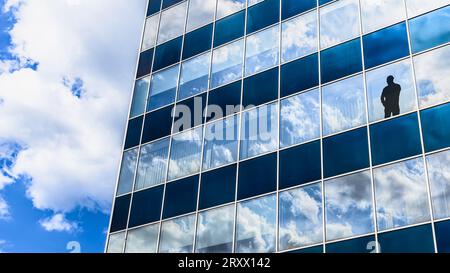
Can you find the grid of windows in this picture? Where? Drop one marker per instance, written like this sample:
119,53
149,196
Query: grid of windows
350,170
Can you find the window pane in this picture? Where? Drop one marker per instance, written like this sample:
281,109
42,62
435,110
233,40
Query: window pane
432,70
299,36
127,171
215,230
154,6
200,13
416,7
271,11
224,101
194,76
399,96
172,23
150,31
293,7
221,142
189,113
197,41
167,54
140,94
227,63
180,197
142,240
116,242
133,135
119,219
227,7
177,235
436,127
229,28
261,88
152,166
429,30
256,224
157,124
185,153
259,131
359,245
218,187
145,63
300,118
442,236
146,206
343,105
348,202
381,13
401,194
262,50
168,3
163,88
301,217
410,240
339,22
438,173
299,75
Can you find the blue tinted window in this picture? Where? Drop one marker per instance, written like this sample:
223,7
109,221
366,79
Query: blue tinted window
163,88
229,28
157,124
218,187
146,206
385,45
442,230
411,240
436,127
120,213
345,152
140,94
194,76
192,117
261,88
197,41
311,250
395,139
168,3
299,75
167,54
429,30
257,176
145,63
181,197
341,61
359,245
321,2
271,11
228,95
133,132
153,7
292,7
300,165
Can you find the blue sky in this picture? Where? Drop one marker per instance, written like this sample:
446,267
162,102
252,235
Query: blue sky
66,73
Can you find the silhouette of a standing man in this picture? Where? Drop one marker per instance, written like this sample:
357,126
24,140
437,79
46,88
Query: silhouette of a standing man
390,98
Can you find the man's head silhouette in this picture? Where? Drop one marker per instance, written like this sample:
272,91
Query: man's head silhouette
390,79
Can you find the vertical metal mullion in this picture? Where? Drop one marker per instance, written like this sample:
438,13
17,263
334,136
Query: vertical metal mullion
277,211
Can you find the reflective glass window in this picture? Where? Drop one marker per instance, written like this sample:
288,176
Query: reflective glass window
227,63
381,13
120,213
271,11
359,245
389,96
157,124
309,250
299,75
152,167
436,127
177,235
200,13
256,224
411,240
261,88
301,217
224,101
259,131
133,135
168,3
116,242
401,194
180,197
197,41
167,54
143,239
154,6
262,50
172,23
146,206
227,7
150,31
229,28
416,7
140,94
343,105
339,22
257,176
442,230
215,230
438,173
218,187
299,36
145,63
189,113
127,171
194,76
293,7
348,206
163,88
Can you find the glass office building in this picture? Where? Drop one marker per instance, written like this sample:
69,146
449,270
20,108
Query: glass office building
337,138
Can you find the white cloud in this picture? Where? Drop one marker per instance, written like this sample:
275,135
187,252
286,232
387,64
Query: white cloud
58,222
4,210
71,145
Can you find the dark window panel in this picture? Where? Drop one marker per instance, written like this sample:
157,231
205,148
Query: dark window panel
346,152
261,88
146,206
153,7
180,197
145,63
300,165
395,139
340,61
197,41
195,105
309,250
299,75
443,236
133,132
385,45
257,176
359,245
293,7
168,3
218,187
120,213
229,28
411,240
436,127
271,11
157,124
167,53
228,95
322,2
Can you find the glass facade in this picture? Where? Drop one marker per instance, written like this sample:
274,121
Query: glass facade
288,126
